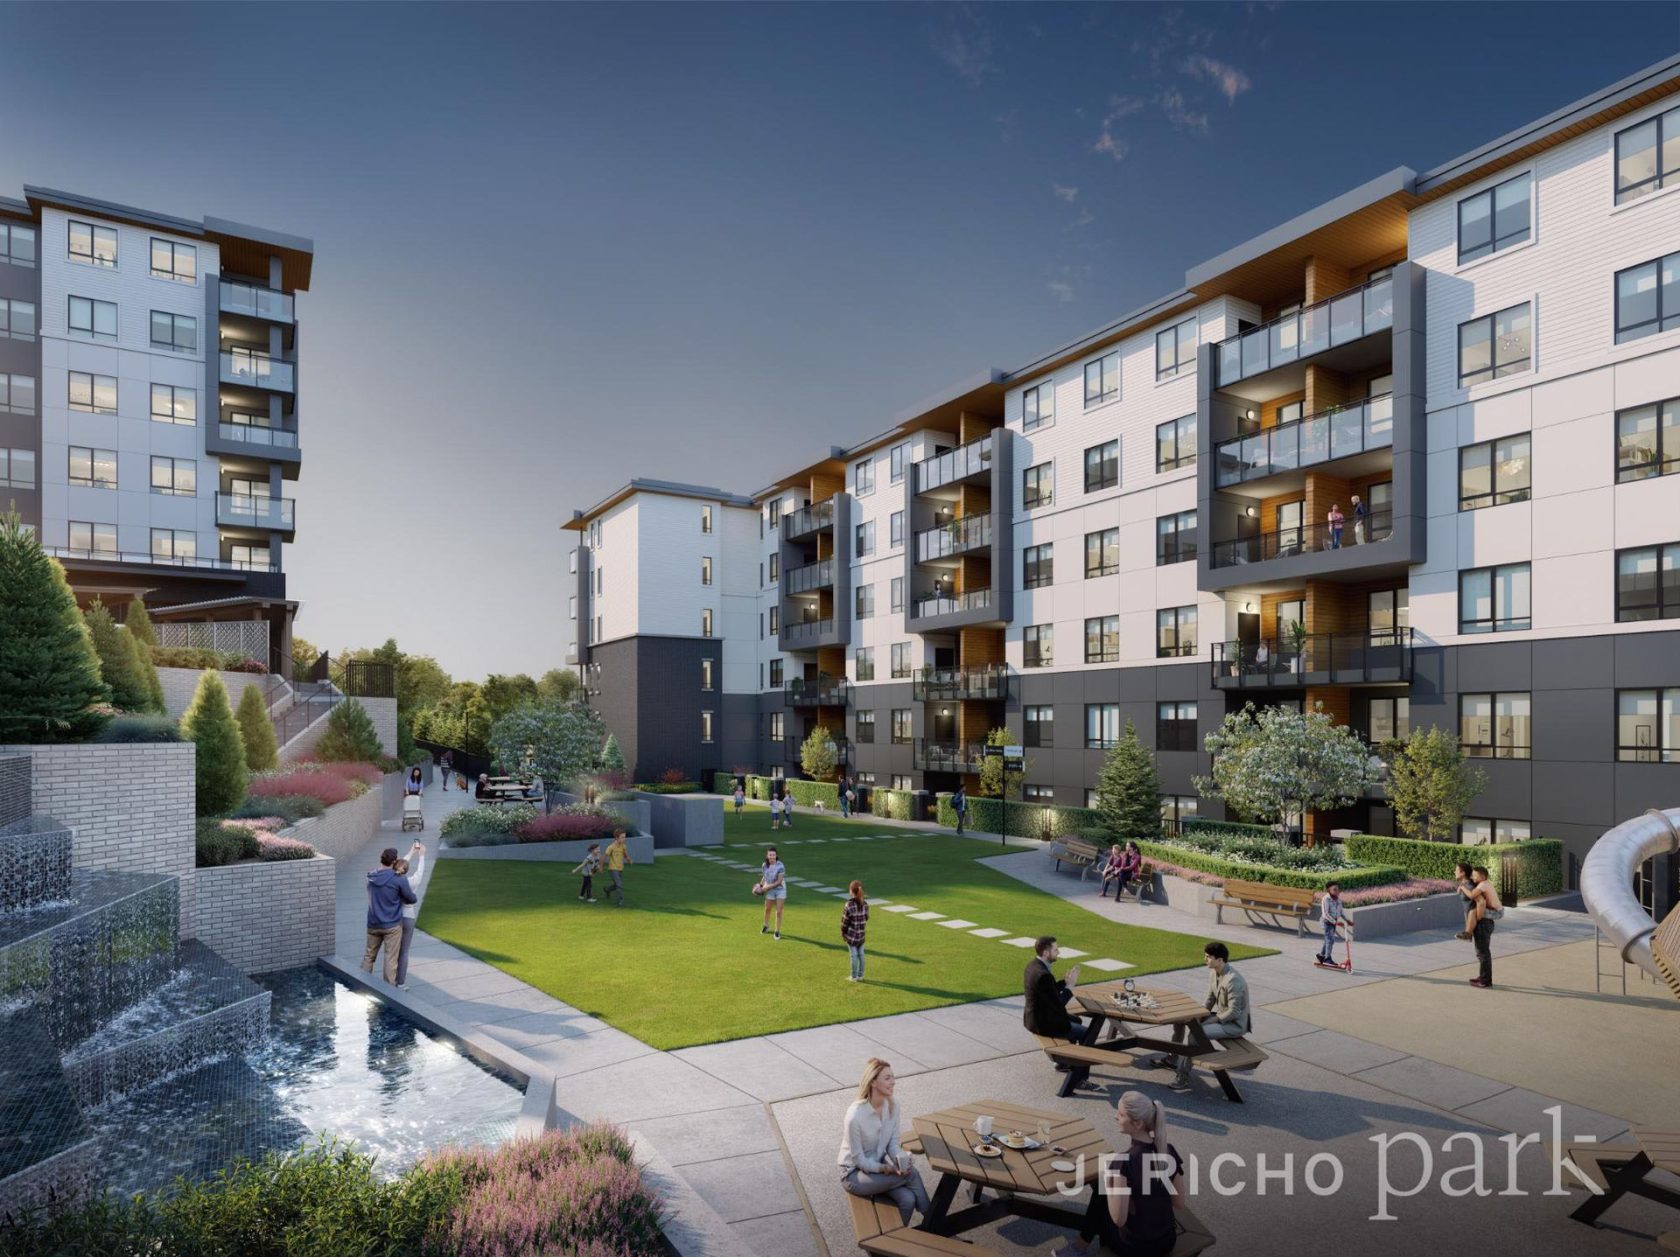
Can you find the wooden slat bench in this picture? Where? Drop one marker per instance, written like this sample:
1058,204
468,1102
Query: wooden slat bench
1082,855
881,1231
1277,901
1079,1058
1145,876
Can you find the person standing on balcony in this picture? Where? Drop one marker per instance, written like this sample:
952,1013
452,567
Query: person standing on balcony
1360,512
1336,518
959,805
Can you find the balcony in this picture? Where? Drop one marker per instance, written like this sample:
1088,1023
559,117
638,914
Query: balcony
1320,438
949,757
244,510
1372,657
793,743
957,537
802,580
257,435
973,459
143,559
805,631
825,691
808,519
1338,320
258,370
1305,539
256,302
934,605
984,683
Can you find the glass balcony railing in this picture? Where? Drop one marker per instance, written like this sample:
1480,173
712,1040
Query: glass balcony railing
256,302
1369,656
1287,542
1337,320
821,691
957,537
801,580
935,604
1320,438
806,630
808,519
980,683
161,560
949,757
256,434
258,371
244,510
954,465
793,745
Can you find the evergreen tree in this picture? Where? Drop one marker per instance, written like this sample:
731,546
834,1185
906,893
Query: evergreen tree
139,626
256,730
612,759
118,664
1129,790
349,735
209,722
49,672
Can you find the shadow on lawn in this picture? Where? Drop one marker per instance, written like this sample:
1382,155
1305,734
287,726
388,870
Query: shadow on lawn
871,952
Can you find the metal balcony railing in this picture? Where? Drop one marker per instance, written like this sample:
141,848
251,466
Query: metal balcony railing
949,757
808,519
954,465
256,434
259,371
1379,526
243,510
1319,438
984,682
1337,320
157,560
806,630
1369,657
256,301
957,537
973,600
793,743
823,691
801,580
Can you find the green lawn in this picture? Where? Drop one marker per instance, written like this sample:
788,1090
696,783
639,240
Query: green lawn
684,962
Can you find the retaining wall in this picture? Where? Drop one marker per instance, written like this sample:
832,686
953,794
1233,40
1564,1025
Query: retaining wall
180,684
346,828
263,916
635,813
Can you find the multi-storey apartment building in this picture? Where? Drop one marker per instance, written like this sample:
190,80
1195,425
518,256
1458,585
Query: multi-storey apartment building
1408,457
148,402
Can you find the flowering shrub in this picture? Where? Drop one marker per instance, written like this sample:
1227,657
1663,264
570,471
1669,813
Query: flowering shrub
349,769
1417,888
486,826
565,826
663,787
239,663
258,824
1252,849
325,788
271,848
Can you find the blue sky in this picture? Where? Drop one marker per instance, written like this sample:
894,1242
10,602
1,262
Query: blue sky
560,246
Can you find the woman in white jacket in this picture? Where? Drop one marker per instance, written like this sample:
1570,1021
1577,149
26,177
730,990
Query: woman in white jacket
411,867
871,1161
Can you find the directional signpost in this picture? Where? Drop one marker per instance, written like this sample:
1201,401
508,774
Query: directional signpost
1014,760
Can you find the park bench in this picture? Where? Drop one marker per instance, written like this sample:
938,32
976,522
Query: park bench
1082,855
1145,876
1279,901
1079,1059
881,1231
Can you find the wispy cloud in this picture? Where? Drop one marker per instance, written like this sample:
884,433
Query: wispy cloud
1070,195
1231,81
1177,74
1111,145
1008,125
1060,289
965,44
1179,114
1120,108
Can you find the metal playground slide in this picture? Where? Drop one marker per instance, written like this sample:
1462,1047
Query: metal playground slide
1607,890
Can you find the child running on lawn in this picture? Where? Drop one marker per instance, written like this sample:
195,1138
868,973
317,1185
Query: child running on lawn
590,866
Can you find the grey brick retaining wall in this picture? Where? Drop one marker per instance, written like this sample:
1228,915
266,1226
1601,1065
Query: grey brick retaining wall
267,916
180,684
347,827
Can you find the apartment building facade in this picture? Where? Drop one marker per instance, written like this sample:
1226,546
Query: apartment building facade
148,403
1407,458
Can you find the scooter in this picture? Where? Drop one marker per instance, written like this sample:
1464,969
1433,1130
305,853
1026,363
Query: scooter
1346,966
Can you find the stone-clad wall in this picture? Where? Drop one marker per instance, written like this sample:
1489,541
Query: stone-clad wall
14,789
267,916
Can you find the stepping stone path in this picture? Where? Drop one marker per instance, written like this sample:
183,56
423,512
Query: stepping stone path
988,933
956,923
928,916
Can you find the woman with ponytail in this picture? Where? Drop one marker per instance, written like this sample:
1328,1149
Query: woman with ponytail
1131,1211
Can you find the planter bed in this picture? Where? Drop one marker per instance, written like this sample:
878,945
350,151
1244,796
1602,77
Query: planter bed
1431,912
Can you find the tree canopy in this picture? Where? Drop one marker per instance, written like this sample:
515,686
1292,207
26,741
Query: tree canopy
1129,789
1276,764
1430,784
557,741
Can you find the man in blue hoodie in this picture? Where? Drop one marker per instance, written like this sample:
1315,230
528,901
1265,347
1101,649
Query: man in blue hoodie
388,891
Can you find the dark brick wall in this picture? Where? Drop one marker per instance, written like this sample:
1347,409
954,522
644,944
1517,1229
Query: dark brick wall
650,697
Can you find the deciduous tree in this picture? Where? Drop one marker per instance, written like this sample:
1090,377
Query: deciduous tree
1276,764
1430,783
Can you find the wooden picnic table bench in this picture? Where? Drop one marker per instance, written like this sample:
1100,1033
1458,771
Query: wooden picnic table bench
1279,901
1082,855
1081,1058
1172,1008
1623,1171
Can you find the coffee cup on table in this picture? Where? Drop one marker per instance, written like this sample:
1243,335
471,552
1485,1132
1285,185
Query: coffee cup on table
983,1124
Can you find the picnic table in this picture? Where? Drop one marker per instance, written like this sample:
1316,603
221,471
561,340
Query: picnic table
1103,1002
1627,1175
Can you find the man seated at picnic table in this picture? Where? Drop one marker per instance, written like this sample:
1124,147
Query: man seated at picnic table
1048,996
1227,1005
484,791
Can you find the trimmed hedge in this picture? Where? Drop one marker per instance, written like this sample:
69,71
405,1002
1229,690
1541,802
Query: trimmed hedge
897,805
1233,828
723,783
1539,860
1350,879
668,787
1034,820
810,793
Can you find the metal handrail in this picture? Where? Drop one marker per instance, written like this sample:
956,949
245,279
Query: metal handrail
254,299
809,519
949,757
1330,434
1304,539
956,464
800,629
256,434
1374,655
152,560
1348,316
980,681
823,691
974,599
956,537
798,580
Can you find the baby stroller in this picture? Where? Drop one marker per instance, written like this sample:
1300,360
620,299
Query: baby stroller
413,815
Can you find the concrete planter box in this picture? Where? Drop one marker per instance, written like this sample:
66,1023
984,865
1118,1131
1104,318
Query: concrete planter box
267,915
1380,920
684,820
640,847
180,684
345,828
636,813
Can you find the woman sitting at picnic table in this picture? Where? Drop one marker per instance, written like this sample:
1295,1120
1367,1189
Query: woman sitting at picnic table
871,1161
1131,1211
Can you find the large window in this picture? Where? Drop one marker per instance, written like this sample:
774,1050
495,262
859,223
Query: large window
173,545
902,726
865,542
92,468
895,530
1038,645
1494,726
1494,345
88,538
1648,726
777,668
1038,794
91,318
866,726
97,246
1478,831
1102,379
1175,350
1648,298
1494,599
18,319
1175,444
865,596
1493,220
864,664
1175,726
174,331
863,477
1102,726
17,468
1102,466
96,393
1037,486
1390,718
1175,632
17,394
775,722
1038,407
1177,809
1102,639
895,463
1648,156
17,244
176,477
901,659
1494,473
895,590
1648,441
1102,553
1175,538
174,261
173,404
1038,724
1648,583
1038,566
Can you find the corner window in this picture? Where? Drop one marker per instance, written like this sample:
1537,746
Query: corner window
1102,380
1494,346
96,246
1038,646
1648,157
1102,639
1102,726
1494,473
1494,726
1648,298
1037,566
1175,632
1037,486
1175,350
863,478
1648,726
1102,553
1038,407
1495,219
92,318
1175,538
94,393
17,320
1102,466
178,262
1648,441
1494,599
1039,726
1175,726
93,468
1648,583
1175,444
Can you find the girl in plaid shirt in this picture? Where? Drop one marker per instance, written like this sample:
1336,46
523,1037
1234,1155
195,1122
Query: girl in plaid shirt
853,918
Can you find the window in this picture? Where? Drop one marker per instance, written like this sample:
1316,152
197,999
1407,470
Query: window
705,519
255,559
97,393
1036,486
1102,466
1038,407
1102,553
1102,380
1478,831
1648,583
1102,639
901,781
1175,444
1648,156
17,319
1494,726
865,596
775,568
1391,718
1039,724
1175,726
1102,726
901,726
895,530
174,261
1493,220
705,726
706,620
895,463
901,659
17,244
865,663
175,331
775,619
1038,642
97,246
775,726
93,538
866,726
1175,632
866,539
864,477
1494,599
92,318
173,545
1177,810
1648,298
705,569
172,404
775,510
1648,441
1175,538
776,669
94,469
1037,566
1291,412
1648,726
1037,794
1493,473
895,592
1175,350
1495,345
571,607
17,469
174,476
